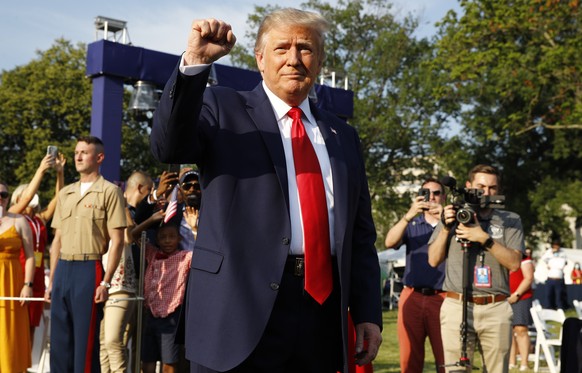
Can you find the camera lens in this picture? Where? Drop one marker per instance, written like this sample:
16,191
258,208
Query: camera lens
464,216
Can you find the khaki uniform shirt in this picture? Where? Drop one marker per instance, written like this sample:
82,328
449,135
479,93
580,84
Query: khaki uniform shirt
84,220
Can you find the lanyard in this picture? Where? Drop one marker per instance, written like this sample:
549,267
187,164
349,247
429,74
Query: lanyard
36,229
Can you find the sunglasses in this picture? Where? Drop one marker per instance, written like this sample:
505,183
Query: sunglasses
4,195
188,186
435,193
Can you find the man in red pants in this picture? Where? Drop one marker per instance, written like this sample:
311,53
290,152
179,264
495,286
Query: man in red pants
420,301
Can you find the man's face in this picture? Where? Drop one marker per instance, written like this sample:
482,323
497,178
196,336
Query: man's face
190,186
144,190
87,158
436,194
485,182
290,61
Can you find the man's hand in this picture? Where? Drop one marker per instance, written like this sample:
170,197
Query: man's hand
209,40
167,182
472,232
48,293
101,294
417,207
448,217
368,341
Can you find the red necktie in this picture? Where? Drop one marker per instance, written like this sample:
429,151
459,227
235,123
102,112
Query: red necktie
318,276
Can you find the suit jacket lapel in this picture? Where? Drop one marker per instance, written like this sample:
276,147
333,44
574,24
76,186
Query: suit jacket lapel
261,112
332,138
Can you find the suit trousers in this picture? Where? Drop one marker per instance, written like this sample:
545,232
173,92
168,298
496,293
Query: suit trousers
418,318
301,336
490,324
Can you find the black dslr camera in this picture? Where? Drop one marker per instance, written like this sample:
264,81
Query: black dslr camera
468,201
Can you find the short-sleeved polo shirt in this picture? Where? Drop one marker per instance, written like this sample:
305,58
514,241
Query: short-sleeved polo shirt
418,273
504,227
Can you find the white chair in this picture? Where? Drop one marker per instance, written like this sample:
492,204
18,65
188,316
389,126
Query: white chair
547,322
578,308
536,303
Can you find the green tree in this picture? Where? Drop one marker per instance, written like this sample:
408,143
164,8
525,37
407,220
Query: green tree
513,70
48,102
393,109
45,102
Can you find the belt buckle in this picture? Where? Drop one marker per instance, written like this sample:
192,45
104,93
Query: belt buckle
299,267
487,299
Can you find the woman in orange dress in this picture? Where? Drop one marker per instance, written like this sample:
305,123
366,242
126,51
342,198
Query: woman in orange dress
14,326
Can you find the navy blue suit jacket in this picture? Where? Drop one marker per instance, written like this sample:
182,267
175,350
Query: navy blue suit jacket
244,229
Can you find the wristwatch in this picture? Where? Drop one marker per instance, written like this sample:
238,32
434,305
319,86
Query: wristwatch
488,243
106,284
29,284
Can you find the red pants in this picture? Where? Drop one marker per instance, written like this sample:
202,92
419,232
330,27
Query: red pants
418,317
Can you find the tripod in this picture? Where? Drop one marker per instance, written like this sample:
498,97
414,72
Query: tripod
464,360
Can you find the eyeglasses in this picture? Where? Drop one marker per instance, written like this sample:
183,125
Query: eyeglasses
435,193
4,195
188,186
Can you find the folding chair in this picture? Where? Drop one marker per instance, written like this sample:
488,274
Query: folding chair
546,337
536,303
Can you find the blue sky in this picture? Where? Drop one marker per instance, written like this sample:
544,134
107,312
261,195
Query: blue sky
31,25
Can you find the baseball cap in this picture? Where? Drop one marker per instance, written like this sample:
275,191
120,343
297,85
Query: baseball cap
189,175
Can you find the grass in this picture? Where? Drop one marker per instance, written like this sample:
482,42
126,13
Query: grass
388,359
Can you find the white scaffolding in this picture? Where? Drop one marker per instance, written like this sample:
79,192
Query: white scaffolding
111,29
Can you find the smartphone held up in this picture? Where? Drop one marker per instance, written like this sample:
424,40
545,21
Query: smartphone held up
52,150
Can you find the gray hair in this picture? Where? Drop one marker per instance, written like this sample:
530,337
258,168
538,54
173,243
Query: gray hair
291,17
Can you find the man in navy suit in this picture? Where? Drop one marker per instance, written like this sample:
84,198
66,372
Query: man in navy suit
247,309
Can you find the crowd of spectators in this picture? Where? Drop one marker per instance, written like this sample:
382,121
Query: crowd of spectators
167,261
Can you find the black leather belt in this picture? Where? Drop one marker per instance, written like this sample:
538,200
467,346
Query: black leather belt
427,291
295,265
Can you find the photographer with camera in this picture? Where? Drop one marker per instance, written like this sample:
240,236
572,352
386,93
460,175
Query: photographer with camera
421,299
484,248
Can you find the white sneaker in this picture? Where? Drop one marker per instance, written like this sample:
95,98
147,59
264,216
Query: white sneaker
512,366
523,368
